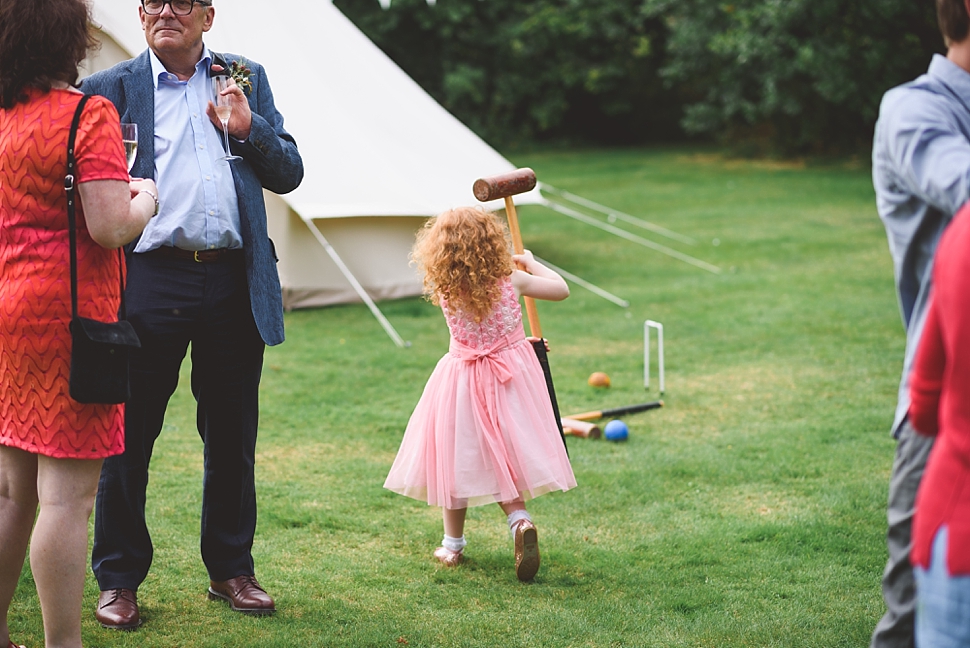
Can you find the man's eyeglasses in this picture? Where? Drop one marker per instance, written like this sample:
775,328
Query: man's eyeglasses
179,7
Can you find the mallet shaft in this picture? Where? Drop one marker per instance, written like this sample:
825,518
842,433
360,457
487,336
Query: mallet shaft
530,304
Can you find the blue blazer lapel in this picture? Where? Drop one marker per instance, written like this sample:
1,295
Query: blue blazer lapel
139,90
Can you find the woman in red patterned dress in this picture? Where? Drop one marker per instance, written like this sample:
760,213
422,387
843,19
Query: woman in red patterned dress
51,447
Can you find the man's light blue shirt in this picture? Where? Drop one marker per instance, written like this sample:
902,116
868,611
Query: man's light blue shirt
921,174
198,205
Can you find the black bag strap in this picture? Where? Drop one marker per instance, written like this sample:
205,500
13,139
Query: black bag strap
69,186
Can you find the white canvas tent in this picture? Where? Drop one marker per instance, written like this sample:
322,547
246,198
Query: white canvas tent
380,154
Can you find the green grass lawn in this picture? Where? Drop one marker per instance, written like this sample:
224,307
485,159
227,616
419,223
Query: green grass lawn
749,511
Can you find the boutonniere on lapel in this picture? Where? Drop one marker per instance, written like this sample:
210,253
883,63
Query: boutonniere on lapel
238,70
240,73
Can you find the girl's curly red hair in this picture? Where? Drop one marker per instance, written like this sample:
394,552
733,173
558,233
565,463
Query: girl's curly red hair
463,253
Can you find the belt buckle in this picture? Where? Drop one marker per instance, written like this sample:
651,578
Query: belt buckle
195,257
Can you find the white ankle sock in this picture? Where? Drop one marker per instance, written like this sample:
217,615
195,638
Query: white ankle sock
516,516
453,544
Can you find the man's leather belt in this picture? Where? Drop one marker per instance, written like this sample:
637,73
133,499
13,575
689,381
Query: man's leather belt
200,256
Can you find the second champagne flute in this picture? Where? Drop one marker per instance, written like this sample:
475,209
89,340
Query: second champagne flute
129,136
223,110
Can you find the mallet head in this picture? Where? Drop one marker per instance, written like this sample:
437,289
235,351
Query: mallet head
504,185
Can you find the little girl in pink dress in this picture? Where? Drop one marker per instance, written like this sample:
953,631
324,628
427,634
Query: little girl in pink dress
484,429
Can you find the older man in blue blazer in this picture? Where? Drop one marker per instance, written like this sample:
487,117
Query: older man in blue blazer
203,272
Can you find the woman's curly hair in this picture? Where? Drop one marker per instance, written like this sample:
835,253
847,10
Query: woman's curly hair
41,42
463,254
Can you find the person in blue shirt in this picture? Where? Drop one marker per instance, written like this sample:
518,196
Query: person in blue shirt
204,273
921,174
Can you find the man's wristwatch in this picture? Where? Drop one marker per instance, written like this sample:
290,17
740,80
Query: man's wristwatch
154,197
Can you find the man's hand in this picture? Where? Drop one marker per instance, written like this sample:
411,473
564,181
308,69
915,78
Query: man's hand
241,120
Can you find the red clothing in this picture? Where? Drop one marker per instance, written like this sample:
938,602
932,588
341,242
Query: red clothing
36,413
940,392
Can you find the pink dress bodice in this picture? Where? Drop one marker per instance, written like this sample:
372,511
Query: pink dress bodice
504,320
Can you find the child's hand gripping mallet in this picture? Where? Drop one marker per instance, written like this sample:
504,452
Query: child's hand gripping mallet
505,186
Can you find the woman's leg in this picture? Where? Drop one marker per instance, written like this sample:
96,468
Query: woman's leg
18,505
59,547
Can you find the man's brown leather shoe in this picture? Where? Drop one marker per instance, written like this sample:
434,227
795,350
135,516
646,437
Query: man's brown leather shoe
244,595
118,609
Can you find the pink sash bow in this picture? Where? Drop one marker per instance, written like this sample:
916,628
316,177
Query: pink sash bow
491,356
490,365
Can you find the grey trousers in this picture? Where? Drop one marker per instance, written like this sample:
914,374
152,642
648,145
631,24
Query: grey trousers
895,629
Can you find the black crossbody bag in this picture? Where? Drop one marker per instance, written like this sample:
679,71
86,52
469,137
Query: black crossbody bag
99,355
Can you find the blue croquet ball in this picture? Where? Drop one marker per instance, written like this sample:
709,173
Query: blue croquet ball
616,431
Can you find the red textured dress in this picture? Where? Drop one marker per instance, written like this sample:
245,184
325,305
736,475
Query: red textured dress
36,413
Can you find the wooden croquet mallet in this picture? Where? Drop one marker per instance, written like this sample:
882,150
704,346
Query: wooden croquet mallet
505,186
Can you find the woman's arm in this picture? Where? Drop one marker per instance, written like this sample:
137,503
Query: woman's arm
926,380
116,211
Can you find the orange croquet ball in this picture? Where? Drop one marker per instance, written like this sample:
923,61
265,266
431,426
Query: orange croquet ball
598,379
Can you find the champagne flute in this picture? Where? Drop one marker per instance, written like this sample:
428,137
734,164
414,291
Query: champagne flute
223,110
129,136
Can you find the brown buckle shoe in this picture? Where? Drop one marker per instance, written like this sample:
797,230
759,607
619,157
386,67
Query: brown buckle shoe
526,550
244,595
118,609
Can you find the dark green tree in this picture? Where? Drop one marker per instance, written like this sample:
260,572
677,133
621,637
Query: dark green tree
793,76
764,76
573,70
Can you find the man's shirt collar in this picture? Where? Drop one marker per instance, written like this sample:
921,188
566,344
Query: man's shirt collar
951,74
158,69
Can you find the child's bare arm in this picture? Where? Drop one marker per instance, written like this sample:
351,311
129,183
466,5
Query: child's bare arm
536,280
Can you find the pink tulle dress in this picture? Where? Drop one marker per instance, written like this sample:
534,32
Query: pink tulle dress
483,430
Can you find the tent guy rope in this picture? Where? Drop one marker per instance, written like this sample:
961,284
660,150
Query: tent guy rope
356,284
608,211
663,249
